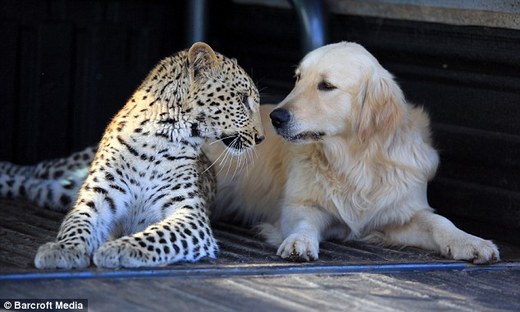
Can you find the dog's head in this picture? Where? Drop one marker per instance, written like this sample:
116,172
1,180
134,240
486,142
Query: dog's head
340,90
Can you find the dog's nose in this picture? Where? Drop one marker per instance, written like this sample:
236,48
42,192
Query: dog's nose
259,138
280,117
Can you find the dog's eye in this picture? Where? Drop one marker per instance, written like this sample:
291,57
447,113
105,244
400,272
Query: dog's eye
325,86
297,76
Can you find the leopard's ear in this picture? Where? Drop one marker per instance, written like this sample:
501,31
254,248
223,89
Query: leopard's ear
202,60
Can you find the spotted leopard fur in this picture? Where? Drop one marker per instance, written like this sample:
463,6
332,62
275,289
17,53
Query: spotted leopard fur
53,184
149,184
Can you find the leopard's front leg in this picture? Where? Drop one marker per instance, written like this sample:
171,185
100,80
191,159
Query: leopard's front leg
82,231
184,236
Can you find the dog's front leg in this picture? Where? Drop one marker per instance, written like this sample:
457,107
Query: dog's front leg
431,231
302,228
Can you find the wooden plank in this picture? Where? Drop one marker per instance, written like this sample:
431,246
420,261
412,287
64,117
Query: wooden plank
108,89
82,14
482,148
170,27
27,134
55,58
83,108
8,92
494,177
480,44
493,206
476,106
26,12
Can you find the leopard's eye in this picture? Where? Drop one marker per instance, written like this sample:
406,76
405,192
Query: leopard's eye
326,86
245,101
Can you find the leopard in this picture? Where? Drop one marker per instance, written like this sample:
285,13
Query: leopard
143,196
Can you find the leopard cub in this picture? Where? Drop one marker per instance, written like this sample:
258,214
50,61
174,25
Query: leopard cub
148,191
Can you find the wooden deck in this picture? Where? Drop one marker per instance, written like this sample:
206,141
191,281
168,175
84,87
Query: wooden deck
248,277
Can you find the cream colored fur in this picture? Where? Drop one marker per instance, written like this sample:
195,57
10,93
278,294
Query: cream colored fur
353,162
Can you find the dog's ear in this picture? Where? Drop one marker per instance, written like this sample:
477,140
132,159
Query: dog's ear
202,61
382,106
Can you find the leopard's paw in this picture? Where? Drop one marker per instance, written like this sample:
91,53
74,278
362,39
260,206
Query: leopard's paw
55,255
122,253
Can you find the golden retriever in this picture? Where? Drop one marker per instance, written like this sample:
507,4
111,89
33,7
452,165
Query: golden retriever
346,158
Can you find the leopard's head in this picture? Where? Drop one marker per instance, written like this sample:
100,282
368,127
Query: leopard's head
223,99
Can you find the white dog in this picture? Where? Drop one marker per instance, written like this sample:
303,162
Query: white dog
351,161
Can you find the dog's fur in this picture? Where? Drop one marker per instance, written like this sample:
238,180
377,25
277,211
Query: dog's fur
351,161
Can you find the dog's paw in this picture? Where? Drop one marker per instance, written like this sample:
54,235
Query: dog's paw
299,248
472,248
56,255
